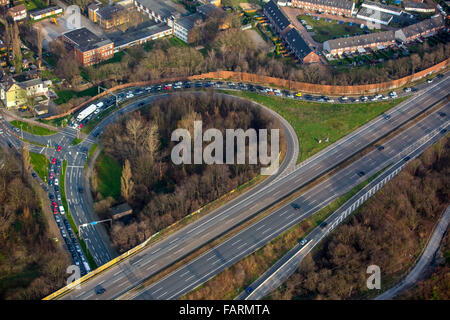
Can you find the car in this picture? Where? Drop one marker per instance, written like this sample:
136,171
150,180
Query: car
9,144
34,175
56,182
323,225
442,114
56,188
58,148
249,290
58,196
443,131
386,116
406,158
53,160
361,173
100,290
54,204
429,80
408,89
344,98
303,242
51,196
295,206
80,190
380,148
440,75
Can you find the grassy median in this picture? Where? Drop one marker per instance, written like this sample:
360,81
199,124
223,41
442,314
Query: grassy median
40,164
36,130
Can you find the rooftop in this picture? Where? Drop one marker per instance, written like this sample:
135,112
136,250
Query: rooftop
297,43
43,11
422,26
188,22
165,8
342,4
362,40
130,37
108,12
85,40
275,13
379,15
381,6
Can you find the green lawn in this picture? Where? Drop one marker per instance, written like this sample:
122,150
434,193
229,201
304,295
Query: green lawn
109,173
76,141
312,121
327,30
66,95
40,164
40,131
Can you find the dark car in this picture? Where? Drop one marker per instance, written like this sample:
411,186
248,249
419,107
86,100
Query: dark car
100,290
295,206
380,148
361,173
323,225
249,290
406,158
80,190
9,144
34,175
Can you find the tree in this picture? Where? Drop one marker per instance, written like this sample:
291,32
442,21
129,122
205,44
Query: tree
26,163
17,53
39,38
126,182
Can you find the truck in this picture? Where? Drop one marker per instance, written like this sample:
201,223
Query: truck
86,112
86,266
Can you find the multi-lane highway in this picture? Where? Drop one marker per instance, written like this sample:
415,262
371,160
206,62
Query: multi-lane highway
167,251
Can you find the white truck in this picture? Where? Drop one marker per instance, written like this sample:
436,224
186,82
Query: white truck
86,112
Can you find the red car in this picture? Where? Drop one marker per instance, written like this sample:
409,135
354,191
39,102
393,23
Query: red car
58,148
55,210
54,160
54,204
51,176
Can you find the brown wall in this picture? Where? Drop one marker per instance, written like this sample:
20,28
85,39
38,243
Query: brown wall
283,83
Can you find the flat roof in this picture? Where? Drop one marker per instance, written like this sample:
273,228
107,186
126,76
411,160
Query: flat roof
341,4
43,11
381,6
107,12
86,40
379,15
141,34
164,8
188,22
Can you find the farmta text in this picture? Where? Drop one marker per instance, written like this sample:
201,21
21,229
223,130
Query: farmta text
227,309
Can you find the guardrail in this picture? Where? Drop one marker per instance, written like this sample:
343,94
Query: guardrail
350,206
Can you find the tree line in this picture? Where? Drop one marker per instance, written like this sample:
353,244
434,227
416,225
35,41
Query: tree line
388,231
31,264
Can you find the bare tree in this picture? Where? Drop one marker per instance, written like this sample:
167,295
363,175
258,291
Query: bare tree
126,182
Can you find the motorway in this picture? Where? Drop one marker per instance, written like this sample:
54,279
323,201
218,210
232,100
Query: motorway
255,236
279,272
164,253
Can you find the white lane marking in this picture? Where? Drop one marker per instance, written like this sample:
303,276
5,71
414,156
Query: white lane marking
189,278
235,242
173,240
244,244
260,227
185,273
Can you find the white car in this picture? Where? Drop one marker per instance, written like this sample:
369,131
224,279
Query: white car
56,182
344,98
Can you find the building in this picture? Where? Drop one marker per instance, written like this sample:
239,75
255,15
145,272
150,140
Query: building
4,3
423,28
184,27
34,87
165,11
278,20
11,94
18,13
377,6
299,48
374,16
379,40
335,7
45,13
120,211
131,39
88,48
108,16
419,7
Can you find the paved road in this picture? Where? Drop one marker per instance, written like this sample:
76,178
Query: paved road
255,236
127,274
425,259
277,274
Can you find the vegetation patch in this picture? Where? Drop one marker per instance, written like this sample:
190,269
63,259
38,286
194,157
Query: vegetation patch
40,164
33,129
314,121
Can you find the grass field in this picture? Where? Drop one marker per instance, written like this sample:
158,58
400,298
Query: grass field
40,164
314,121
327,30
109,173
66,95
25,126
